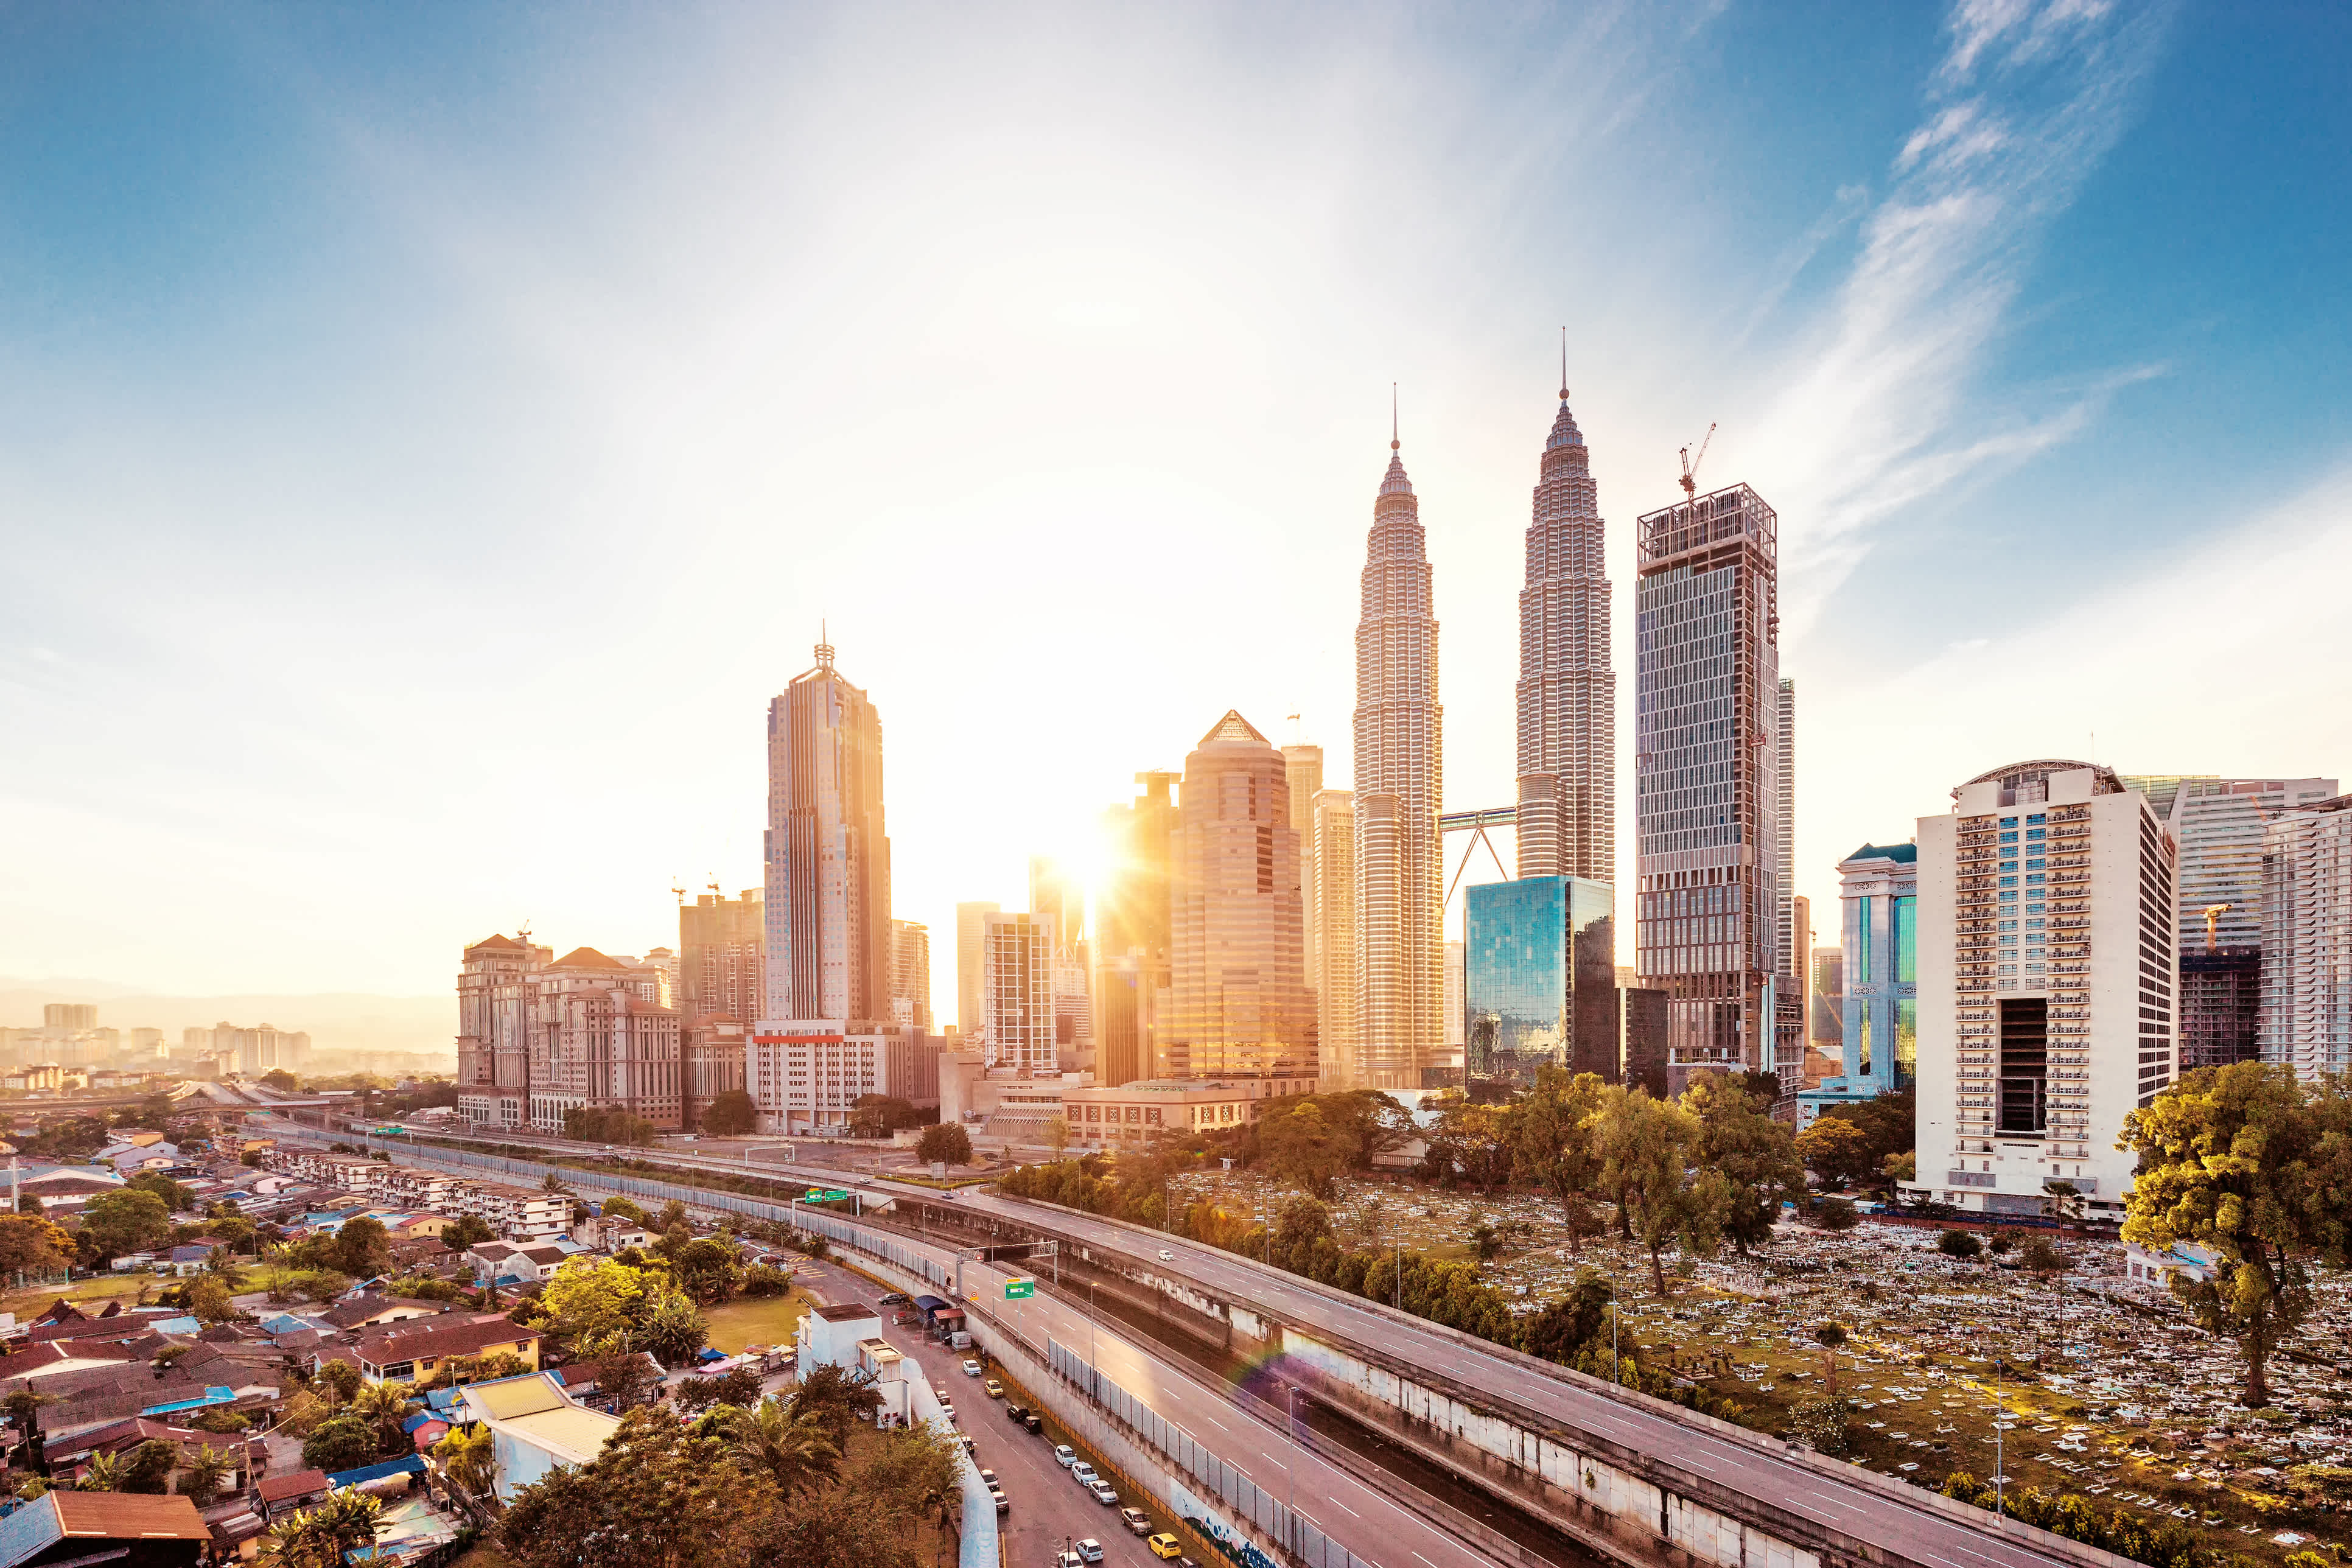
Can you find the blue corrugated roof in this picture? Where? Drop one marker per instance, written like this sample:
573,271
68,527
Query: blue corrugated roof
412,1465
215,1395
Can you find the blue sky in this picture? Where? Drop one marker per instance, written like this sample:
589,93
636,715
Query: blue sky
428,435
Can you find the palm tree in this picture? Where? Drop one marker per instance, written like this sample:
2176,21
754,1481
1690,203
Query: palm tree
206,1466
102,1474
796,1450
467,1459
318,1537
386,1404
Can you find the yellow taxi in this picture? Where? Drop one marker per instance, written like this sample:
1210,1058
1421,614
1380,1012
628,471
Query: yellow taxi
992,1388
1164,1546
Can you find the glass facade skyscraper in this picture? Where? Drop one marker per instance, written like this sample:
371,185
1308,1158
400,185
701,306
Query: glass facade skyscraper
1539,979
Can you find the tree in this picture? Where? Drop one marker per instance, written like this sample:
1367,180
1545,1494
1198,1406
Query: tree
2239,1160
340,1379
147,1468
738,1386
208,1299
621,1375
1756,1155
339,1443
730,1112
1551,1141
1475,1140
672,1327
281,1079
673,1214
204,1466
2041,1258
877,1115
1838,1213
1579,1320
1958,1244
101,1473
1649,1154
468,1457
658,1495
795,1449
837,1396
318,1537
362,1248
385,1405
918,1471
591,1301
944,1142
1303,1149
33,1246
125,1220
1834,1149
175,1197
466,1231
707,1270
765,1279
1057,1136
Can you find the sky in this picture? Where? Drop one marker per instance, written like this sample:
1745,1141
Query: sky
429,436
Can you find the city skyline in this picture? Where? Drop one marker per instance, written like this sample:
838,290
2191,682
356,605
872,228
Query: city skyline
530,500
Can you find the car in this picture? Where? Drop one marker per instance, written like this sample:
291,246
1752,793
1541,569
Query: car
1034,1421
1163,1546
894,1298
1089,1550
1015,1412
1103,1494
1068,1560
988,1480
1086,1475
992,1388
1065,1455
971,1369
946,1408
1137,1522
1166,1256
1004,1504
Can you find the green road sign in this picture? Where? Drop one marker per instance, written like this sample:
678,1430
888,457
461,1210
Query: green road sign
827,1195
1016,1290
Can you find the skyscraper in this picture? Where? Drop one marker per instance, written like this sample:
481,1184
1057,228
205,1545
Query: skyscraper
1877,1050
972,924
722,964
1132,933
1706,790
1400,785
910,975
1334,979
1017,992
2220,825
1540,979
1790,952
1238,1007
1303,768
1567,690
2306,938
2045,988
828,856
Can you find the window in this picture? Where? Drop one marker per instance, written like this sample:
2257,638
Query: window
1864,1056
1904,913
2036,865
2033,909
2035,925
1907,1042
2037,816
2011,925
2008,942
1862,945
2010,881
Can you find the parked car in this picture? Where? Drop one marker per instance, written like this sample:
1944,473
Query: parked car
1164,1546
971,1369
1065,1455
988,1480
1004,1504
992,1388
1135,1521
1089,1550
894,1298
947,1407
1068,1560
1086,1475
1102,1493
1015,1412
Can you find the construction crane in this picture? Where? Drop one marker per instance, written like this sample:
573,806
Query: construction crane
680,892
2213,913
1690,465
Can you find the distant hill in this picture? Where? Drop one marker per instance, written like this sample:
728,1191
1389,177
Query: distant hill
335,1021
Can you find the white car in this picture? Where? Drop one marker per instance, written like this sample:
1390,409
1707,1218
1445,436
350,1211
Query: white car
971,1369
1089,1550
1166,1256
1102,1493
1086,1475
946,1408
1065,1455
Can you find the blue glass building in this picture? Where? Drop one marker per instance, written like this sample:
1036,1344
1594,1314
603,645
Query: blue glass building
1880,942
1539,979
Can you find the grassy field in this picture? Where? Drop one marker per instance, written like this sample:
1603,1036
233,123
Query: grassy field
95,1293
770,1320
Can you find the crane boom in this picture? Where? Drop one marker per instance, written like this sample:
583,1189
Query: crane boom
1690,464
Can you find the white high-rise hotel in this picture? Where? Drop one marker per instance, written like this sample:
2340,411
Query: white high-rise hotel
2045,985
1400,899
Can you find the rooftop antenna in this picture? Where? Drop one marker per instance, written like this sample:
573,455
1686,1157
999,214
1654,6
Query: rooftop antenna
1393,443
1563,364
824,647
1690,464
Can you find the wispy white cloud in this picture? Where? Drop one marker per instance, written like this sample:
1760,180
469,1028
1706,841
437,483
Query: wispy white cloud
2025,103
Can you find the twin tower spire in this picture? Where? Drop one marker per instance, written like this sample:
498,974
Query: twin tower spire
1566,743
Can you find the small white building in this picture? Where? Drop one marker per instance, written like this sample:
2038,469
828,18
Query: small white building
535,1425
829,1336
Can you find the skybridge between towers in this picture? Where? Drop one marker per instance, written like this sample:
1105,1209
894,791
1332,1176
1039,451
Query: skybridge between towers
1475,823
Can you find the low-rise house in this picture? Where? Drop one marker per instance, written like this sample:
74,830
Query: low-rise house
415,1350
277,1495
507,1263
534,1426
67,1457
121,1529
369,1310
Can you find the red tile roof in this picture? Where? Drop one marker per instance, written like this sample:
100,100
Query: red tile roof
421,1338
277,1488
129,1516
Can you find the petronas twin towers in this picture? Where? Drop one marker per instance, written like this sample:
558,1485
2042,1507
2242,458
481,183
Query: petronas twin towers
1567,746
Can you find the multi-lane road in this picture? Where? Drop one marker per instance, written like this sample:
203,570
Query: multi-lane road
1864,1508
